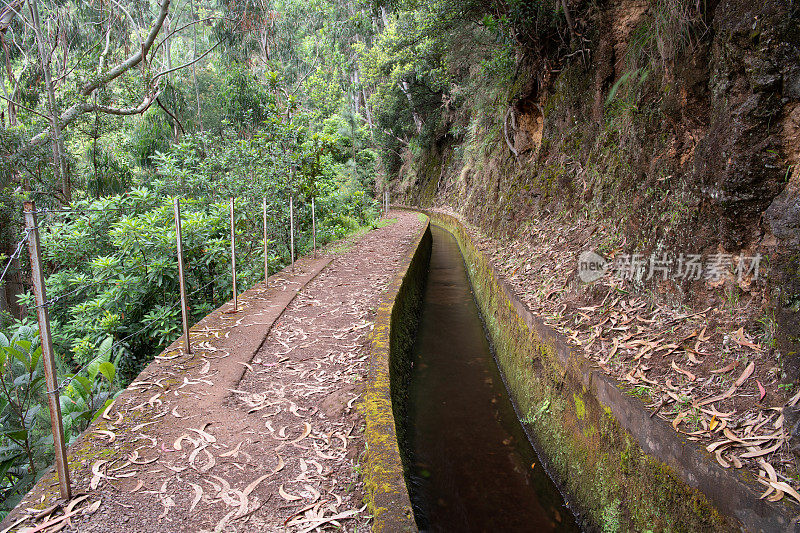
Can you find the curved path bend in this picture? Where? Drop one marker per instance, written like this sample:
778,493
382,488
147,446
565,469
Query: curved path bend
258,429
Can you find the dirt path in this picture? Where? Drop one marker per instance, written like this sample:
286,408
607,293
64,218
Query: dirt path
250,433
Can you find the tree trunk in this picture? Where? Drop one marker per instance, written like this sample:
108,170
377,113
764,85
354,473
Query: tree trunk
417,120
57,139
12,286
12,109
573,39
176,134
368,113
384,17
194,67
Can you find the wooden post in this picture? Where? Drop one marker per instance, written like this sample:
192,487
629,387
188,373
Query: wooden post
266,247
233,257
291,228
184,302
32,226
314,226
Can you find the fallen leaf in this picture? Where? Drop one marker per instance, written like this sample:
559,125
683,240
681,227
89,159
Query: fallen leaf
54,521
168,504
761,390
286,496
97,475
206,436
252,486
714,445
686,373
692,359
109,435
73,504
234,452
44,512
758,453
680,418
107,410
177,444
741,339
198,495
722,462
748,371
318,522
306,433
280,465
785,487
153,399
727,368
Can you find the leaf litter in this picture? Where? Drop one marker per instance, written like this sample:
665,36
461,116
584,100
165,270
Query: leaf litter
681,362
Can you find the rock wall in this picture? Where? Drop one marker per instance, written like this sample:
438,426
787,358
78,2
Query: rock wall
675,127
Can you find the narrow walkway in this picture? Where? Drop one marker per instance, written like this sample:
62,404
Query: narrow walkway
258,430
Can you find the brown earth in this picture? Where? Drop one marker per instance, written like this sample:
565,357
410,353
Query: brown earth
258,430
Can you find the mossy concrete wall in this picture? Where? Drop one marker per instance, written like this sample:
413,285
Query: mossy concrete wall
621,469
391,340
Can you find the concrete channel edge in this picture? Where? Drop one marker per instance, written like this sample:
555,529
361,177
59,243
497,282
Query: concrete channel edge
393,333
620,469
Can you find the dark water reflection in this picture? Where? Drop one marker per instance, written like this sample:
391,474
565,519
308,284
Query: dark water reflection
473,468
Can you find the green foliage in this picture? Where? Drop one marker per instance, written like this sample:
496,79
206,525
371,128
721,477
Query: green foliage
536,20
151,134
21,399
89,391
114,267
243,100
26,440
669,29
279,109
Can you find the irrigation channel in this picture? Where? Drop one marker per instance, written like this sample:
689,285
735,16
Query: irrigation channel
470,464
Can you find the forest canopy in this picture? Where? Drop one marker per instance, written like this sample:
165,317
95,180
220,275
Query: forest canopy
112,109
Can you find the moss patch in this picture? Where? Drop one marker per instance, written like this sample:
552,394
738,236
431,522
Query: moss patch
392,337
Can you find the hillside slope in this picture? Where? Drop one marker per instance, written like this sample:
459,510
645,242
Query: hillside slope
669,130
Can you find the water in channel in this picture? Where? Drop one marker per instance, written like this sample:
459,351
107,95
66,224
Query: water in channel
471,466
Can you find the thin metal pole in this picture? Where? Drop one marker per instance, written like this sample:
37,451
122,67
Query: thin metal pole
184,302
314,225
233,257
266,247
32,226
291,228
